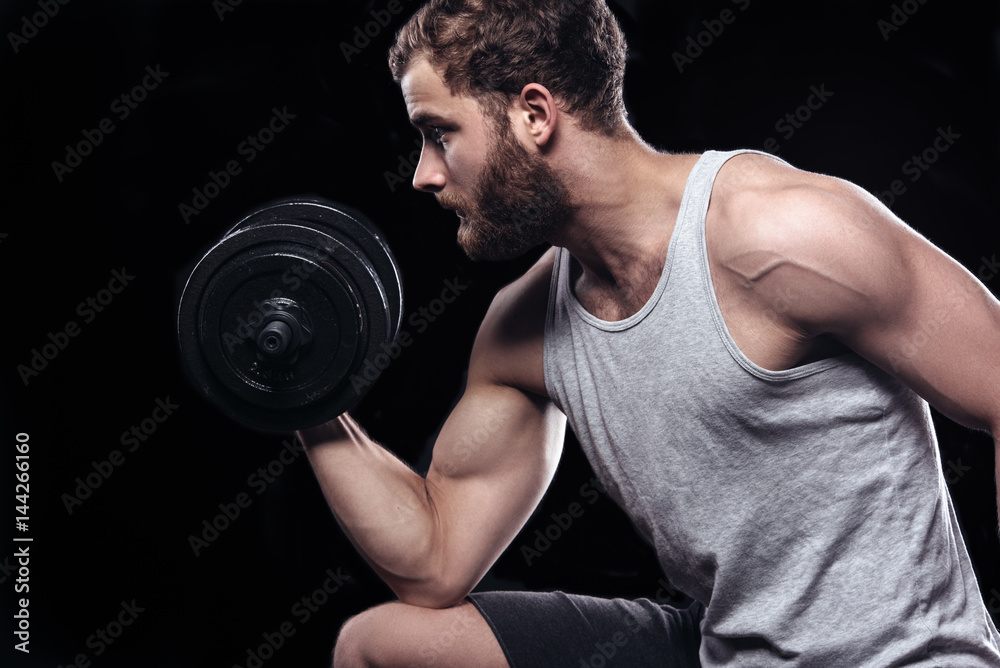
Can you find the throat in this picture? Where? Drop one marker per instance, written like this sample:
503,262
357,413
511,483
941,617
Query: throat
613,298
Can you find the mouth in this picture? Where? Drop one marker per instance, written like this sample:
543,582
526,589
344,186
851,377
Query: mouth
458,212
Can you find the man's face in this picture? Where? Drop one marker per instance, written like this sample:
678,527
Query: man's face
508,200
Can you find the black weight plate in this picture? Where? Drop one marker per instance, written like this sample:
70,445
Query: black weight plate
350,227
331,281
233,299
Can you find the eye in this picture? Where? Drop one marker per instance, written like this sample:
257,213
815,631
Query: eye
436,134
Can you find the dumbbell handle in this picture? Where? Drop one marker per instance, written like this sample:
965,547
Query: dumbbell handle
275,339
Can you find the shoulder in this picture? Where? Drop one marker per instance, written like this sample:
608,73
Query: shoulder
813,240
509,346
760,197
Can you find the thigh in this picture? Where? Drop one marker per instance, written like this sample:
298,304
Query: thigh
557,629
406,636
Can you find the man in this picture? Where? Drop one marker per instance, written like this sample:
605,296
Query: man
734,341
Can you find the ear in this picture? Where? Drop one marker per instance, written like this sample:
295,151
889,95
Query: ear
537,114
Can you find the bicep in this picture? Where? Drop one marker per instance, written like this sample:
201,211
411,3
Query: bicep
493,460
496,455
498,450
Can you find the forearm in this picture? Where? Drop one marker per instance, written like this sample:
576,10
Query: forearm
380,503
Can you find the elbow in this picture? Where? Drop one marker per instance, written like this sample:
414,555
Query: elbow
432,600
437,593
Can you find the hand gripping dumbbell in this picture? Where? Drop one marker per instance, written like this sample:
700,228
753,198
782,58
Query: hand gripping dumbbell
277,317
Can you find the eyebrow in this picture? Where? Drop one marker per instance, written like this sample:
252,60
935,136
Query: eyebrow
426,120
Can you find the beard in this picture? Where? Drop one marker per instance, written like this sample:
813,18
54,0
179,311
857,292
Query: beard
517,204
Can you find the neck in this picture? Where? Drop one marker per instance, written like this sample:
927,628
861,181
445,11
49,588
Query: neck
626,196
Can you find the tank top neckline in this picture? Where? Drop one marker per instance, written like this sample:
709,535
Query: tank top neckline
563,263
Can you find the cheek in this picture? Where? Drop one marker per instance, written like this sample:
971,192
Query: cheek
464,172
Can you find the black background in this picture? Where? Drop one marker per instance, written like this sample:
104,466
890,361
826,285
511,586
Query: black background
891,92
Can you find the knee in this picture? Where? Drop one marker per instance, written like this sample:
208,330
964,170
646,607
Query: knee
350,650
362,639
398,635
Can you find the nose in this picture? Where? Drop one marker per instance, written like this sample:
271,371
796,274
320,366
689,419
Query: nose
429,175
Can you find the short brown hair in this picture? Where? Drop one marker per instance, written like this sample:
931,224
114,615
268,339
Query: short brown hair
491,49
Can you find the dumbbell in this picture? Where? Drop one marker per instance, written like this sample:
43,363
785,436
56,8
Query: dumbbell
277,320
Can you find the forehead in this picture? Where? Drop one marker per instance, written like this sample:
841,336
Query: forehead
428,98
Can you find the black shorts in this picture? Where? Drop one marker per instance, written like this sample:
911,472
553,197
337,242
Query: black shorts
557,629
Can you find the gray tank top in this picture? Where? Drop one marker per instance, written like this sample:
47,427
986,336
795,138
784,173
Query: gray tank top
806,508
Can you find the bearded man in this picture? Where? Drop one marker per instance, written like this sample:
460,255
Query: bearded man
730,338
